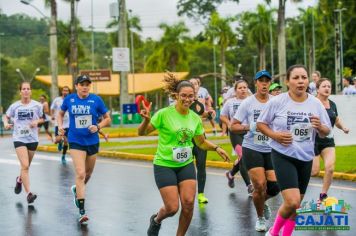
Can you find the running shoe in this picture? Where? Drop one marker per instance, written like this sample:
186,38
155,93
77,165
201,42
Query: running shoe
31,197
230,179
74,192
202,198
18,186
154,227
64,160
250,190
60,145
267,212
261,224
83,219
323,196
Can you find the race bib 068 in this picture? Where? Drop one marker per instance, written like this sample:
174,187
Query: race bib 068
302,132
83,121
182,154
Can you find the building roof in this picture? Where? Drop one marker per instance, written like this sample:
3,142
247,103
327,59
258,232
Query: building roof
143,82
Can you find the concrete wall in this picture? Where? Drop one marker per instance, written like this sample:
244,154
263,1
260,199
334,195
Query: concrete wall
346,107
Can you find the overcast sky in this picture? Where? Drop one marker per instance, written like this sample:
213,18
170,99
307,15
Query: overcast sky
151,12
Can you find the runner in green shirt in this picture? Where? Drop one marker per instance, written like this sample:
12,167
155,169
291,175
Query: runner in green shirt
173,164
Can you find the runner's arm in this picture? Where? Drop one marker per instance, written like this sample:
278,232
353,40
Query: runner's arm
237,127
205,144
340,125
106,121
145,127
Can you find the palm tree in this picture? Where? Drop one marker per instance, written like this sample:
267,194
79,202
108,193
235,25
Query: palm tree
281,28
170,52
219,29
257,24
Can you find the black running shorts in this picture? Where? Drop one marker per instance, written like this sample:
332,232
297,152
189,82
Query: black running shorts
172,176
291,172
253,159
321,144
89,149
30,146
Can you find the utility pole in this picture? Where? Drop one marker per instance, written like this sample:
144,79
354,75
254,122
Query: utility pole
73,43
215,82
95,85
132,57
313,42
339,51
304,45
1,109
124,94
271,43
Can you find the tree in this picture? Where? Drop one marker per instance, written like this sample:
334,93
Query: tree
170,52
199,9
257,24
219,29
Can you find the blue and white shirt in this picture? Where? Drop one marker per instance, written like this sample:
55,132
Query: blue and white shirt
83,113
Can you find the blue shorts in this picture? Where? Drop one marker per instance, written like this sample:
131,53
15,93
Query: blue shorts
56,131
89,149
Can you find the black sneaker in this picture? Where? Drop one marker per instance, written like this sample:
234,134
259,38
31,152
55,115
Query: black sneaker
31,198
230,179
154,228
18,186
323,196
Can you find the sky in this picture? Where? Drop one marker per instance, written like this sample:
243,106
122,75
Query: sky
150,12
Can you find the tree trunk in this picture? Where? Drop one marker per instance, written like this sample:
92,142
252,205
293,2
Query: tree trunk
282,63
262,56
223,67
53,50
73,43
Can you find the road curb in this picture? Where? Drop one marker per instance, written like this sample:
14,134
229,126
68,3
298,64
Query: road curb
215,164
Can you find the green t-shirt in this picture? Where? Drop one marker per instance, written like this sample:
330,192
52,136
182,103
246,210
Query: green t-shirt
176,132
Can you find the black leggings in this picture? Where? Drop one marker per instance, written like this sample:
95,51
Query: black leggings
200,160
236,139
291,172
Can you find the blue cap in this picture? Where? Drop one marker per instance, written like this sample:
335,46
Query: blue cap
263,73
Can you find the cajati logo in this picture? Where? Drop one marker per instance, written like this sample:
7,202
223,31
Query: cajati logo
330,214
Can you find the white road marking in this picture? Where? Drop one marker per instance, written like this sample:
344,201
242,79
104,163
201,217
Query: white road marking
15,162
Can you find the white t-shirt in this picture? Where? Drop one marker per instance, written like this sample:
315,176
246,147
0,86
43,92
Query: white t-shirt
248,113
230,107
203,93
23,115
351,90
284,114
312,88
56,106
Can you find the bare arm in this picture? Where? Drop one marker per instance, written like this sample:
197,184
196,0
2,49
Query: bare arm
6,120
205,144
340,125
239,128
322,130
145,127
284,138
225,120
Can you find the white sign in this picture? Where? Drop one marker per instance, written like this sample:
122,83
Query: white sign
120,59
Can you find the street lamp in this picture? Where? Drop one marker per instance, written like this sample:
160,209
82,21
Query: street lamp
304,44
53,47
132,56
339,11
24,78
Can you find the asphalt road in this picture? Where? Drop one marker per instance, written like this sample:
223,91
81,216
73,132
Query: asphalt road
121,197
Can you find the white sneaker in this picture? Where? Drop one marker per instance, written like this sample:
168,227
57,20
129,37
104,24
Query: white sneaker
268,233
261,224
267,212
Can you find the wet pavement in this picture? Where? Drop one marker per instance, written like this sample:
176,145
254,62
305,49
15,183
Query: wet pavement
121,197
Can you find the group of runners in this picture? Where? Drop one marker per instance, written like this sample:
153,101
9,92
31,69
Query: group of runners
275,138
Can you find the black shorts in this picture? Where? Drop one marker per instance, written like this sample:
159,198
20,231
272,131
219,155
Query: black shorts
44,124
253,159
291,172
89,149
321,144
65,131
30,146
172,176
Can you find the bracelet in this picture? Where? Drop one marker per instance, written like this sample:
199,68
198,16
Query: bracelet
216,148
97,125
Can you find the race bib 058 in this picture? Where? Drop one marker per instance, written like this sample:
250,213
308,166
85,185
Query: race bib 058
182,154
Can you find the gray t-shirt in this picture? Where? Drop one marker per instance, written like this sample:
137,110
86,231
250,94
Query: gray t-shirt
56,106
248,113
23,115
284,114
350,90
312,88
230,107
